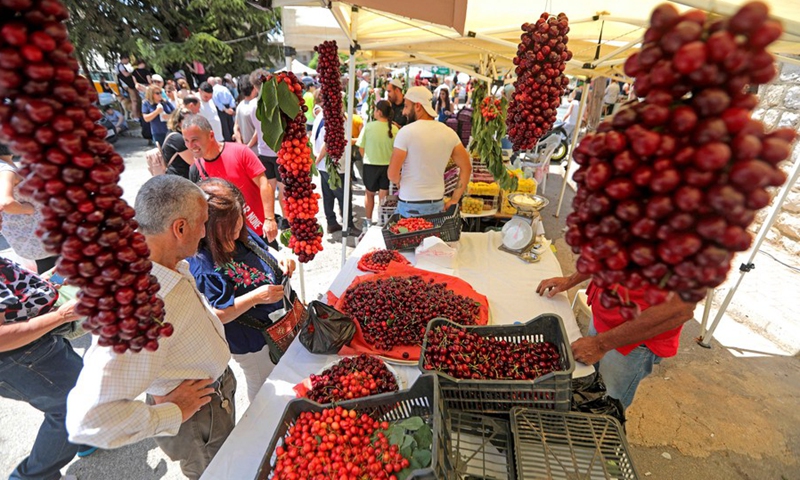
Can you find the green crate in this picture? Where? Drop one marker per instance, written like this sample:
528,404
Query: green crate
423,399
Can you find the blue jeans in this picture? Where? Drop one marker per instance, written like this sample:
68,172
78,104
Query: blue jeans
406,209
330,196
622,373
42,374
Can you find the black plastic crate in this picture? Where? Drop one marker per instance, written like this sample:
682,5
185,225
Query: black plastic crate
569,446
423,399
550,392
447,226
481,447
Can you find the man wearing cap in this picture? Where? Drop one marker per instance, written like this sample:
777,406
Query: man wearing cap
421,152
395,93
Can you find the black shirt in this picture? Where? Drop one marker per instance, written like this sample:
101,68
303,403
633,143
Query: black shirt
140,74
174,145
397,114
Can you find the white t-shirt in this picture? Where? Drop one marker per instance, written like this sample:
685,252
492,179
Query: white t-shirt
246,127
573,115
428,145
209,110
262,147
612,93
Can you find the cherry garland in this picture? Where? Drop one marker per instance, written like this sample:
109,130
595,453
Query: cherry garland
49,120
541,59
668,187
294,165
331,89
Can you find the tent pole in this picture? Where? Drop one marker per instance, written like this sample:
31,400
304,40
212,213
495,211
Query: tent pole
581,109
748,265
706,311
348,129
616,52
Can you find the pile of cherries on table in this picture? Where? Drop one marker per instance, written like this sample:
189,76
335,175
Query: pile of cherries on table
378,260
466,355
669,186
541,60
49,120
331,89
294,163
395,311
352,377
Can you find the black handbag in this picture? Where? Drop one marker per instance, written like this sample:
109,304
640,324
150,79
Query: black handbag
280,334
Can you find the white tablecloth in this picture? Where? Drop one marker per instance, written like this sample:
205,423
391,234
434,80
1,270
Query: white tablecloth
508,283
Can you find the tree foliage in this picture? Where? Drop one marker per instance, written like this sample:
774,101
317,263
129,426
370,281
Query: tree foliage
226,35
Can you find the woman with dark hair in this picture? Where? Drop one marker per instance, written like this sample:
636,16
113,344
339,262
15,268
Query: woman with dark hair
178,158
443,107
376,143
239,275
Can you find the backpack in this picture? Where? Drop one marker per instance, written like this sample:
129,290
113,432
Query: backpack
155,159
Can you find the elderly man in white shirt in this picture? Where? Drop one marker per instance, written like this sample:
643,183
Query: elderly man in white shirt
189,406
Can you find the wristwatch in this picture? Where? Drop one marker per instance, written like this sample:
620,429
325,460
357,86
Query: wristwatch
270,219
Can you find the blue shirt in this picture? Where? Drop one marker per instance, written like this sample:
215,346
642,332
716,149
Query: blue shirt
222,284
157,125
222,97
113,117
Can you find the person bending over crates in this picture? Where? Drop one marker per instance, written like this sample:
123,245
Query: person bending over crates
624,351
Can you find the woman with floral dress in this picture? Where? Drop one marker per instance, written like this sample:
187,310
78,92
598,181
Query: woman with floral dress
240,277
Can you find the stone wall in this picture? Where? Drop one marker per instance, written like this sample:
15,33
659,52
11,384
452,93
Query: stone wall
779,106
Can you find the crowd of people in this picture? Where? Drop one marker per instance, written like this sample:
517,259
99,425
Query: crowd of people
211,225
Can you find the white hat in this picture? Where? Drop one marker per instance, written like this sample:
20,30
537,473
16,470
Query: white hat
422,96
228,76
157,78
397,83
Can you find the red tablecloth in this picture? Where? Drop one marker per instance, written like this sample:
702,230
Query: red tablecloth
358,345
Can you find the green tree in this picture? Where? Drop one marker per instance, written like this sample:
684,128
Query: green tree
226,35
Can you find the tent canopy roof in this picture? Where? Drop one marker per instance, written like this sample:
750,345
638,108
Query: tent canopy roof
298,68
492,27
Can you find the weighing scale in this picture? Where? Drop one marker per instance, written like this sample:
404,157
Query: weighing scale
519,233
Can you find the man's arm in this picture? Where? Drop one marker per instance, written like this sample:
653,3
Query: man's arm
8,203
18,334
396,164
552,286
464,162
654,321
268,199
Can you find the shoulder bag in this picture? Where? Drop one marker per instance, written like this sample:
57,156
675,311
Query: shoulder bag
282,332
155,159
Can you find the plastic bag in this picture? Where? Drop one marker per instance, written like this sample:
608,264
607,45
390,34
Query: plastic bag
589,396
326,329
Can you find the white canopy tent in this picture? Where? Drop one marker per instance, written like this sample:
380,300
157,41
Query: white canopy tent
299,69
415,31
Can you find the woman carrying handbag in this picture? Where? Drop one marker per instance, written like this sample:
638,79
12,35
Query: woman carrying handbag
244,284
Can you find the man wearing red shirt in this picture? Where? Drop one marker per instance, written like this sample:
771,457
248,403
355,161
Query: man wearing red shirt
625,350
237,164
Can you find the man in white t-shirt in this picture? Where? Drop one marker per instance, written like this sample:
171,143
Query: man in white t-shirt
421,152
610,97
209,110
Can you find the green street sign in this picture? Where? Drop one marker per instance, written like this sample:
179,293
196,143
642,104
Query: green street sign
441,70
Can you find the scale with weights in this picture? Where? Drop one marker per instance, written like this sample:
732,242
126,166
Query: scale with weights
519,233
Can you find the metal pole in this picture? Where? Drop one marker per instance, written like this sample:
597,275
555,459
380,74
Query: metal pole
706,311
348,129
748,265
301,270
581,108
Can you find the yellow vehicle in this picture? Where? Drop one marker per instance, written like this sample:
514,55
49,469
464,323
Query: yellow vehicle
110,80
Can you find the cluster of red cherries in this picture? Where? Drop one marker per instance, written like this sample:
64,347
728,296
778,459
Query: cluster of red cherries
378,260
542,56
352,377
409,225
337,443
49,120
669,186
395,311
331,90
468,355
294,165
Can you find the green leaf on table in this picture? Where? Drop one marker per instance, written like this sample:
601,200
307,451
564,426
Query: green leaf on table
412,424
408,442
406,452
423,457
287,100
424,437
405,473
401,230
396,434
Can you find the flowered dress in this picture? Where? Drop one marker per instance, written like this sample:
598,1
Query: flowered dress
221,284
